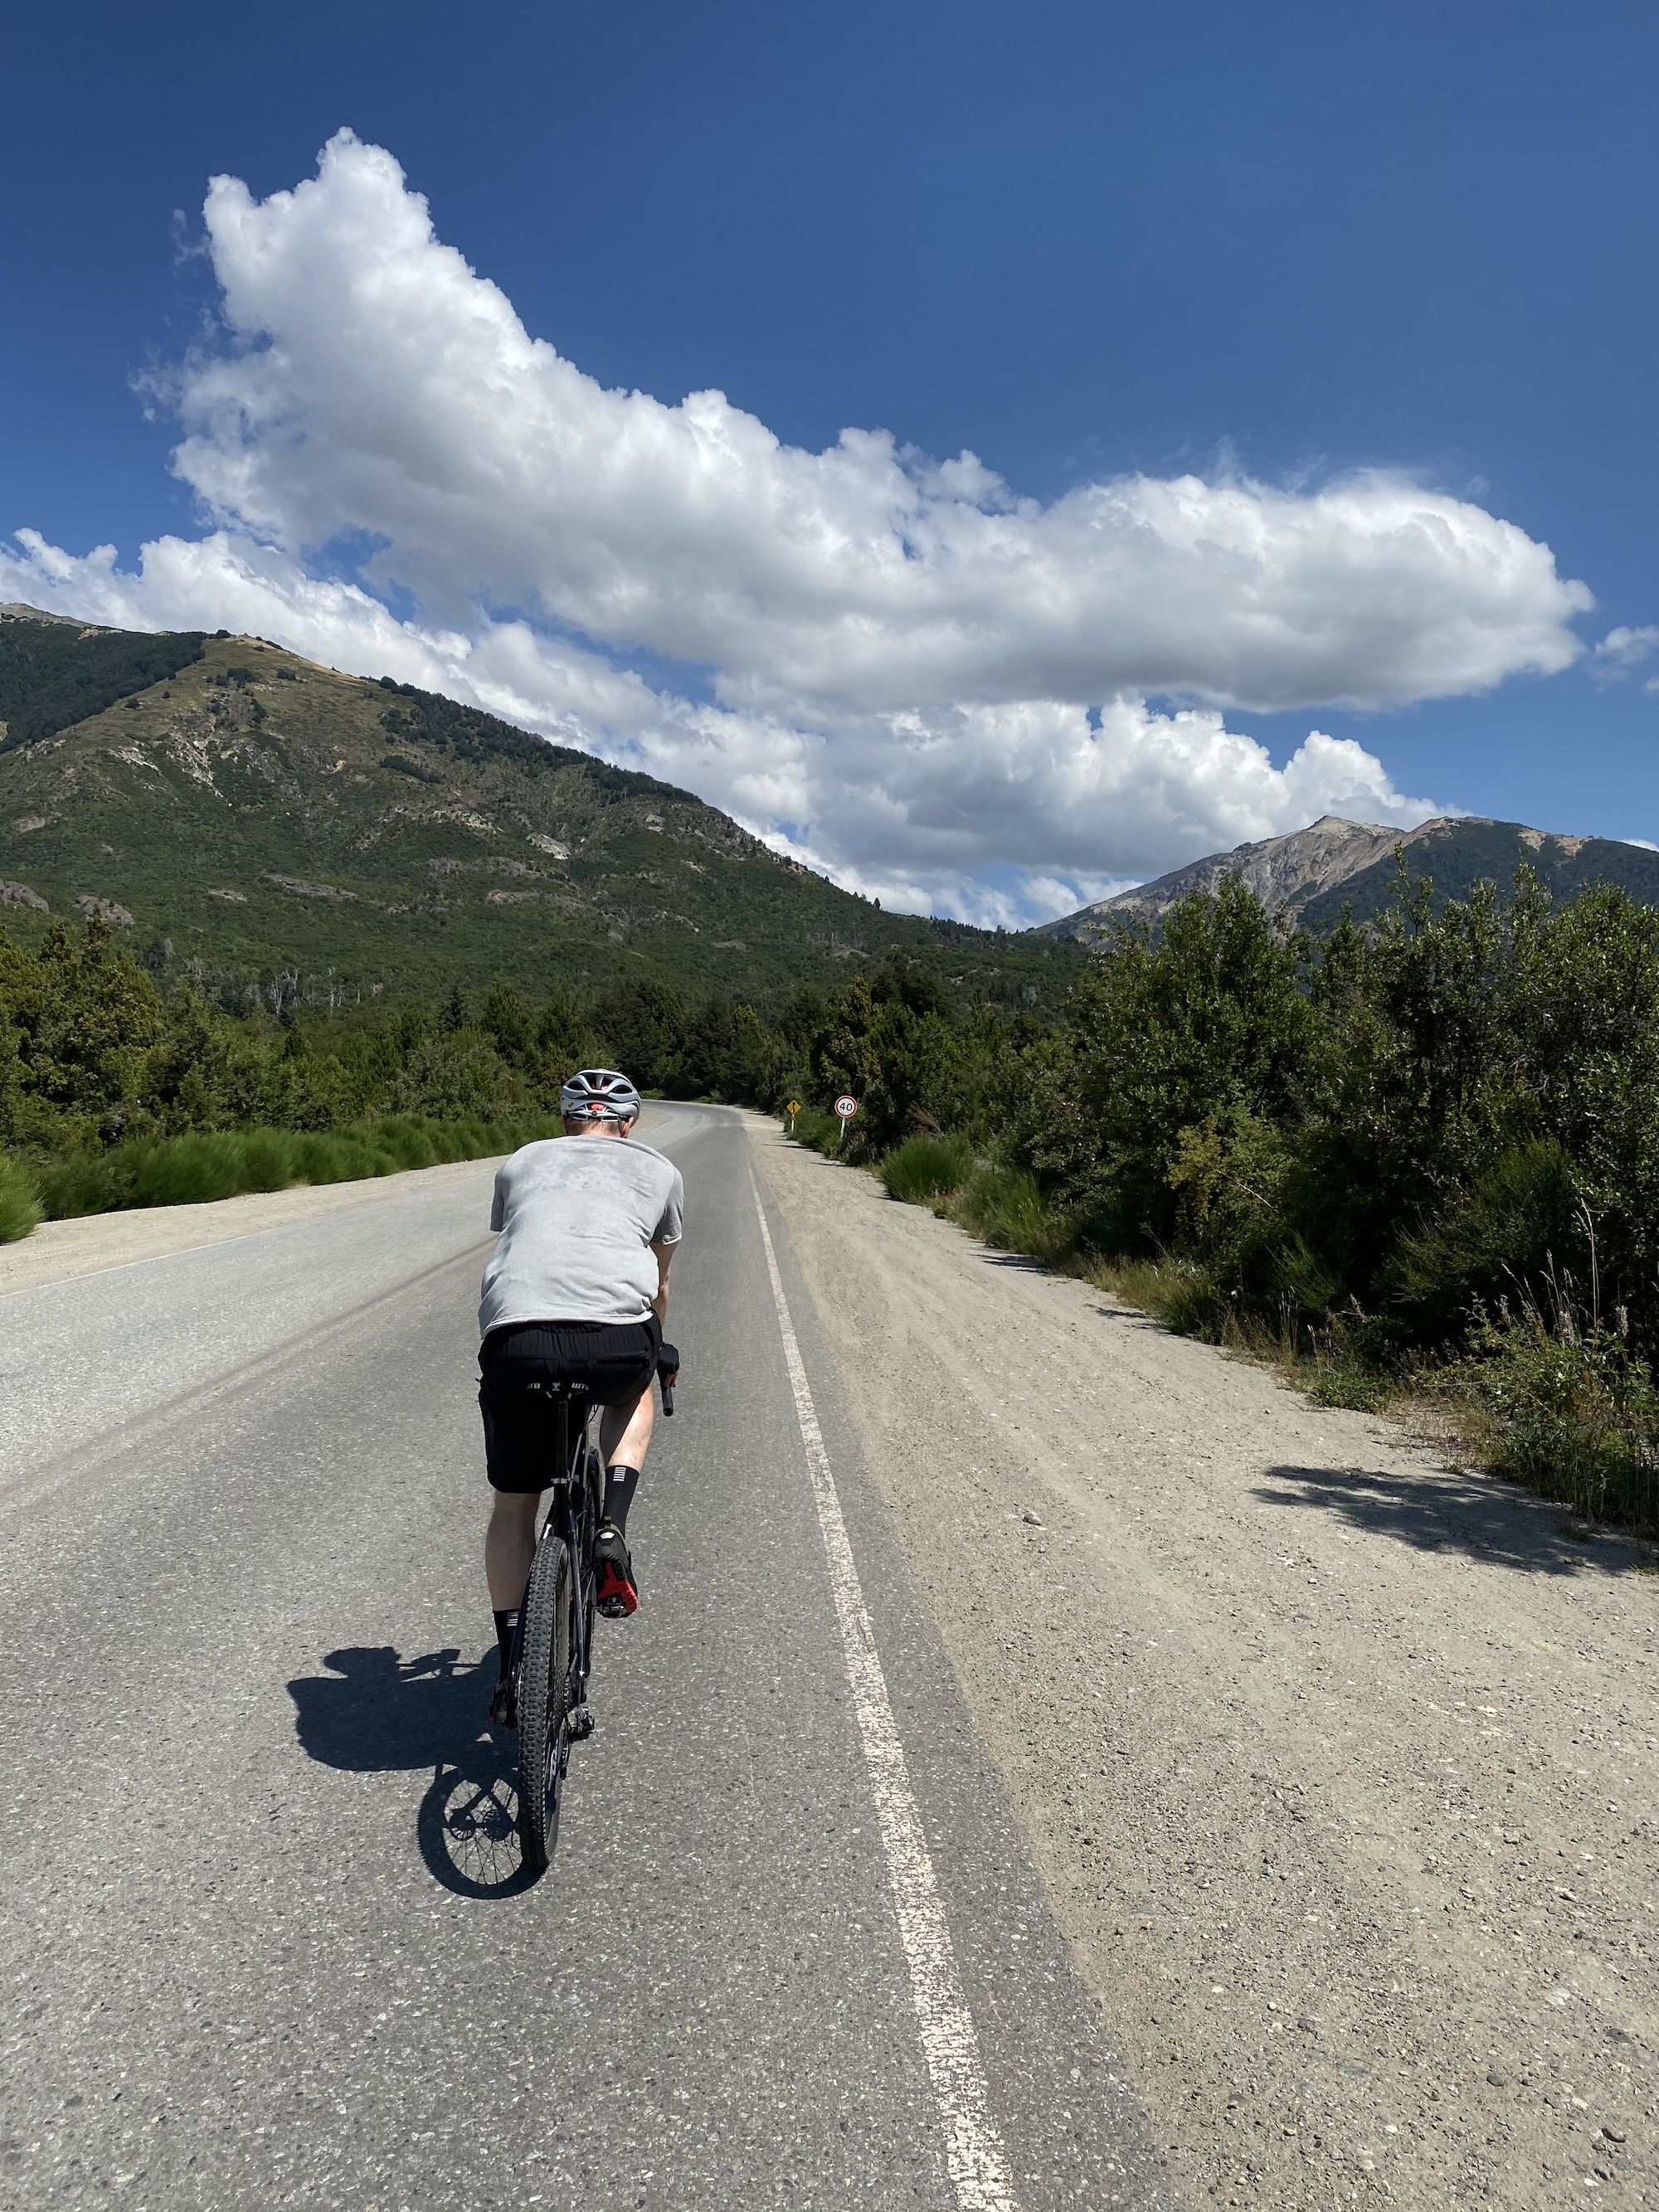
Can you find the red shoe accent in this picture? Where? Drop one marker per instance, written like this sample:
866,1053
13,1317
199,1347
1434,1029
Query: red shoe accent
615,1595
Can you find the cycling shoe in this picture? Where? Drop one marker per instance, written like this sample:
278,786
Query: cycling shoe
616,1593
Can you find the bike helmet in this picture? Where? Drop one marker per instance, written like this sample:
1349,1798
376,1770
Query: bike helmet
599,1094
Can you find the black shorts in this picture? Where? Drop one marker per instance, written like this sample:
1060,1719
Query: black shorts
606,1363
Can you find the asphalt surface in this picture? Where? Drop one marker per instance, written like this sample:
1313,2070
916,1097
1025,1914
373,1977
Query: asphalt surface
264,1938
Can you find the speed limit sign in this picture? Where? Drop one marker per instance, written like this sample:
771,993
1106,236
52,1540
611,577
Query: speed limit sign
847,1106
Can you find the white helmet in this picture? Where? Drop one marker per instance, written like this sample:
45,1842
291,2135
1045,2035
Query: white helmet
599,1094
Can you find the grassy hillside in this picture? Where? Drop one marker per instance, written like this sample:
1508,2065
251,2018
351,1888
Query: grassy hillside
261,814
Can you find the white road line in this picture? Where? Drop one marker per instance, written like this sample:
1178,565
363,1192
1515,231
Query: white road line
973,2153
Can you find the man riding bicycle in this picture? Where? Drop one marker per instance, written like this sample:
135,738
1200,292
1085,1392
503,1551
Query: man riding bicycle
575,1294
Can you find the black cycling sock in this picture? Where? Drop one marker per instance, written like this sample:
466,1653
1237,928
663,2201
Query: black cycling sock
506,1627
620,1484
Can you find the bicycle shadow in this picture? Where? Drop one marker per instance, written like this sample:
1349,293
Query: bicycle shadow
375,1713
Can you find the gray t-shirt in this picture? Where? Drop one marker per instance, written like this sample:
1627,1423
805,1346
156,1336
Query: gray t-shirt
577,1216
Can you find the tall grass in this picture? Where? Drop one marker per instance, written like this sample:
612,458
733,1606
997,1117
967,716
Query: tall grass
924,1169
196,1169
818,1130
1551,1396
20,1201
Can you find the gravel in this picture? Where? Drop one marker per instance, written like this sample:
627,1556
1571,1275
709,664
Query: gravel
1338,1765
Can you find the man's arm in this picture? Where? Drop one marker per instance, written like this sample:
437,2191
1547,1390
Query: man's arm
665,1258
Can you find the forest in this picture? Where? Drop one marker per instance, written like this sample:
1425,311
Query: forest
1416,1158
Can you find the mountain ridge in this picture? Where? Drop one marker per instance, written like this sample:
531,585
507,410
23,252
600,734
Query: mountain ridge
1311,875
256,812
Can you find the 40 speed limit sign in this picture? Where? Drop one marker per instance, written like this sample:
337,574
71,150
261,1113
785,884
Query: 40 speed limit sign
847,1106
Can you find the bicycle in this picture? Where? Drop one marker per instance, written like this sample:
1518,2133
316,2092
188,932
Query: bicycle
554,1653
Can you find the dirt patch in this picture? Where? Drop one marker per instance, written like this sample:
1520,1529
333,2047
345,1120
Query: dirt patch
1339,1766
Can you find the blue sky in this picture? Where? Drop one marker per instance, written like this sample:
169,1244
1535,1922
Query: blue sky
1088,243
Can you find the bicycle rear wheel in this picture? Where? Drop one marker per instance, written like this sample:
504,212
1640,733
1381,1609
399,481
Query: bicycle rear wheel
544,1696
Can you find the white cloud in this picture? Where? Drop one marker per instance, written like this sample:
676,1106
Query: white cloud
1623,649
935,687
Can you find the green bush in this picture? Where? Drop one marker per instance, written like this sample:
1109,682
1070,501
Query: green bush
1183,1296
198,1168
1569,1410
819,1131
190,1171
82,1182
1501,1239
268,1159
20,1201
320,1157
1005,1206
923,1168
409,1140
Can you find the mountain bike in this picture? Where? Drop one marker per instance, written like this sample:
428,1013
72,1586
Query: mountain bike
554,1653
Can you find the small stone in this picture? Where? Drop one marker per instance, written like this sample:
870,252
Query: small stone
1033,1520
1613,2135
1497,2077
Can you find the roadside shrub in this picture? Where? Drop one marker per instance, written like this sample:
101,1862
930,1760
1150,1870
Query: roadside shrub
923,1168
1501,1239
410,1140
20,1201
196,1169
819,1131
1005,1206
1183,1295
1569,1410
268,1159
321,1156
189,1170
82,1182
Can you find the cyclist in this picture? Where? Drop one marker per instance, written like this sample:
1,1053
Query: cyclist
575,1292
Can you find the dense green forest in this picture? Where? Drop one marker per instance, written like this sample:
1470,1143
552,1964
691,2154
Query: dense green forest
1420,1153
53,674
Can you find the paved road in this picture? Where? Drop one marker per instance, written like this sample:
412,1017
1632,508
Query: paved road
264,1938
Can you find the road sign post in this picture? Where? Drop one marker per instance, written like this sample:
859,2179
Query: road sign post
791,1109
845,1107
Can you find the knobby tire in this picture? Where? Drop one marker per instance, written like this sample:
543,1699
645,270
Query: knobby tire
544,1699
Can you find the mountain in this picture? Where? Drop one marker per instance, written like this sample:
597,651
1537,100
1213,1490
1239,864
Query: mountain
1312,874
261,815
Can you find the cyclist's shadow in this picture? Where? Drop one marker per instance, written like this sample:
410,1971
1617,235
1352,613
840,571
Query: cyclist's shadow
375,1713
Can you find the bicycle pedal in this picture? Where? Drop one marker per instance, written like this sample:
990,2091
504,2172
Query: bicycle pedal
581,1723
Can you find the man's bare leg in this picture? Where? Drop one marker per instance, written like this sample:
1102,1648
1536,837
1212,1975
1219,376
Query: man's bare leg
624,1436
625,1430
509,1546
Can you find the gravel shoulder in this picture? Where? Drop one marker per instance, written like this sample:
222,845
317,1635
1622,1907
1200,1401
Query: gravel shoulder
1339,1766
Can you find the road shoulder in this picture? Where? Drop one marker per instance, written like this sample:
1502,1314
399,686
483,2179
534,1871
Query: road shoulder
1337,1764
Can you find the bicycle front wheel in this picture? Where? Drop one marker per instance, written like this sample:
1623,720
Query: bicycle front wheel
544,1698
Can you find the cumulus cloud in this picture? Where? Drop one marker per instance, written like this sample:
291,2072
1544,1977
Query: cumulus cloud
929,685
1623,649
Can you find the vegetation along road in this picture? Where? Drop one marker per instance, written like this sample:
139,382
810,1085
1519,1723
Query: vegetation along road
1053,1765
